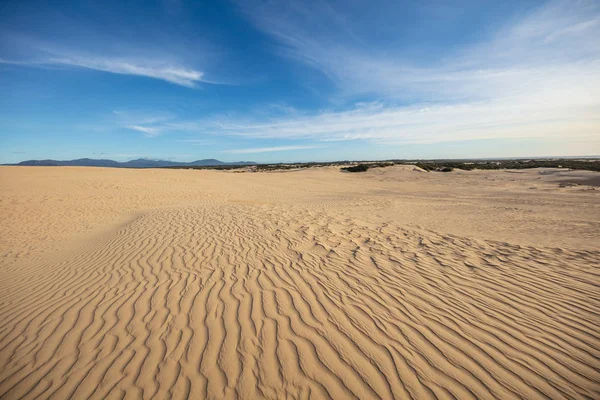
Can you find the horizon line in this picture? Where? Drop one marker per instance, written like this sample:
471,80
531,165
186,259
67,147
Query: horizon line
593,156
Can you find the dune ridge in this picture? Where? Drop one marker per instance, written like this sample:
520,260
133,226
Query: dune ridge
233,299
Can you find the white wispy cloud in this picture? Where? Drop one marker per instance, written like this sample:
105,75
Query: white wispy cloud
270,149
537,50
151,124
171,73
168,58
162,70
147,130
569,114
418,124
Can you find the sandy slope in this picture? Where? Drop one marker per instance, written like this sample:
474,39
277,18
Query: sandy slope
388,284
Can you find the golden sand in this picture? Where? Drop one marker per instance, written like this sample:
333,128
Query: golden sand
394,283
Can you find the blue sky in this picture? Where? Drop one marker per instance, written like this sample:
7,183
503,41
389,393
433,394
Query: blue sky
269,80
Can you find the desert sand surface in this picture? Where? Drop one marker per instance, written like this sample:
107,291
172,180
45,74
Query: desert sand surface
393,283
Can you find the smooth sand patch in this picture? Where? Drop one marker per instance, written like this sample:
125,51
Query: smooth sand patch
392,283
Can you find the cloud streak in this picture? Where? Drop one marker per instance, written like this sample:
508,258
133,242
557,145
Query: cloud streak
110,41
176,74
164,71
537,50
568,115
148,131
433,124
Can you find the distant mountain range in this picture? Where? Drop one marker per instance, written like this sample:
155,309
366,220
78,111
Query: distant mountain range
139,163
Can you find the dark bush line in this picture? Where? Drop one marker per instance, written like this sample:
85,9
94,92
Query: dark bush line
260,167
365,167
356,168
448,166
592,165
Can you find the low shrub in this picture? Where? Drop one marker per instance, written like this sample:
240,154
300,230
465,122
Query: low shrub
356,168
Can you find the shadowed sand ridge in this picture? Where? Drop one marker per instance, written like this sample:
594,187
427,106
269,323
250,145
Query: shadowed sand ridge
225,298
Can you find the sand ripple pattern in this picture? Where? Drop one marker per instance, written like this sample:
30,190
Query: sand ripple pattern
238,301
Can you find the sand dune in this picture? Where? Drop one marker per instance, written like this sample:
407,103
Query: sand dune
310,284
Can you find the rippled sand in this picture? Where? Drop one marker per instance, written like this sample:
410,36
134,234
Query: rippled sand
393,283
